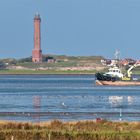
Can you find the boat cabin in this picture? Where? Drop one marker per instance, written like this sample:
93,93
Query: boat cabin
115,72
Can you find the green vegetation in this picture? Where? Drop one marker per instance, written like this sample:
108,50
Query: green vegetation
136,71
44,64
57,130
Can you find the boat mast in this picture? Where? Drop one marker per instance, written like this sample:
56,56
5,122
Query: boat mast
117,57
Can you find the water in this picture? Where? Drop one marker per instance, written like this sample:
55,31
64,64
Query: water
65,97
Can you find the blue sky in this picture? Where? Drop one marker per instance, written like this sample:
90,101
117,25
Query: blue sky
71,27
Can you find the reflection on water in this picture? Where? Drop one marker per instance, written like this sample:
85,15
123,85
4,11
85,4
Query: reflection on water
65,97
36,107
130,99
116,100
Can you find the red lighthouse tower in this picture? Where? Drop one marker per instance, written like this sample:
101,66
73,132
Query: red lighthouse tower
37,52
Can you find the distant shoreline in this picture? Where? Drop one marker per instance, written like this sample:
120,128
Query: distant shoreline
46,72
51,72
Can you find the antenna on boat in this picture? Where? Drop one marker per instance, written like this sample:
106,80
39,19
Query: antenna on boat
117,57
117,54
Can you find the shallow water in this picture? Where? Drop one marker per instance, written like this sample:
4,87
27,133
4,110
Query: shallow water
65,97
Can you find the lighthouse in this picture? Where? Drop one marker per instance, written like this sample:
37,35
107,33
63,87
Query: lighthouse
37,52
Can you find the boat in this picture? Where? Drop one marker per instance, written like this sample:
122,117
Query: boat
114,77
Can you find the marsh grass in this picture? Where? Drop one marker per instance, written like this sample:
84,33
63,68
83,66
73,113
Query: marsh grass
83,130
